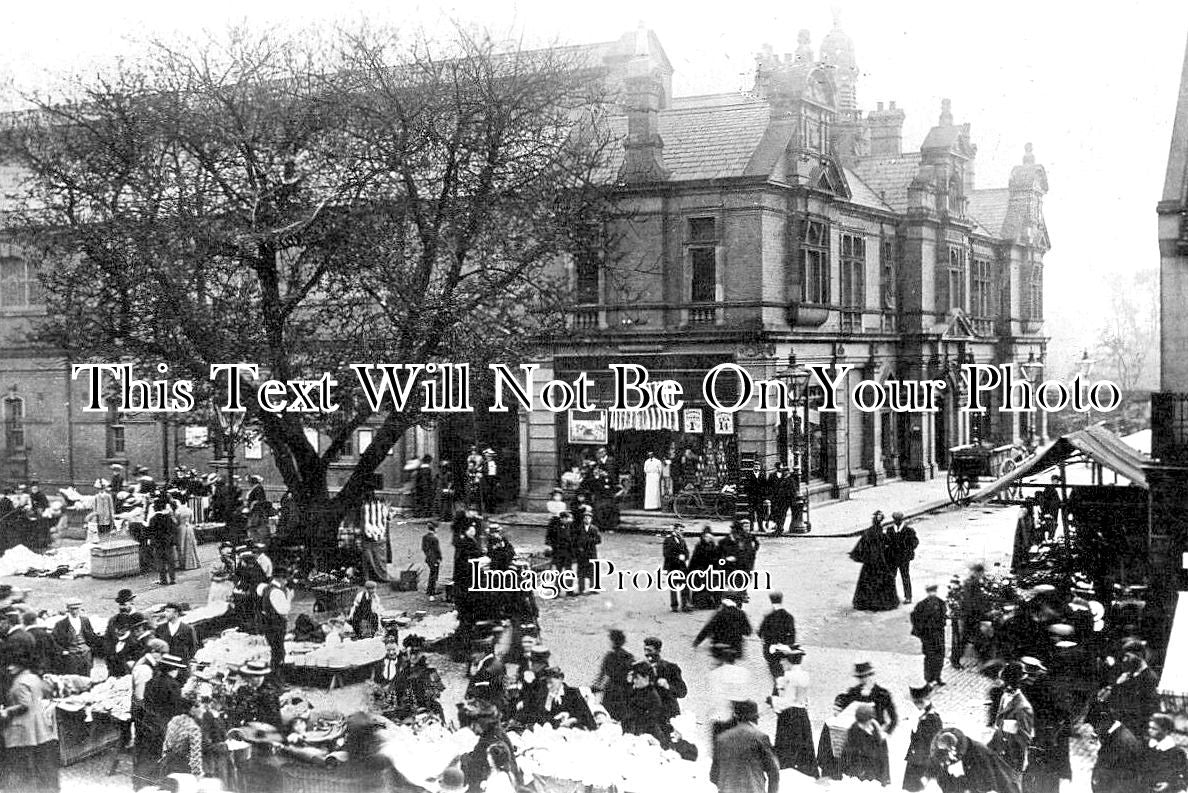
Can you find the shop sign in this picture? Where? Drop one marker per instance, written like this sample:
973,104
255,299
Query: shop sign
723,423
693,424
587,426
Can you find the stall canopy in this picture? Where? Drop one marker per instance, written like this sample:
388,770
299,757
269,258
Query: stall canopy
1173,685
1093,444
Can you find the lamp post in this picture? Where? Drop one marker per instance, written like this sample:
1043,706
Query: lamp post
1032,371
1084,367
230,424
798,381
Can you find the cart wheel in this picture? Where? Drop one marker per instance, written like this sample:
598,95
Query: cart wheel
685,506
958,488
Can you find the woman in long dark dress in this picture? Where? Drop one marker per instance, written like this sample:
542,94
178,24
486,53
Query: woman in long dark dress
876,581
612,676
794,732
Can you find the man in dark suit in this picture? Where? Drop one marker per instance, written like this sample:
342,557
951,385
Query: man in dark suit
676,557
744,761
17,642
431,547
1119,755
728,626
487,677
783,489
903,543
928,625
752,485
118,625
75,639
919,754
867,690
670,684
180,636
777,627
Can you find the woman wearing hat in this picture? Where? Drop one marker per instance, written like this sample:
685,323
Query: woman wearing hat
162,701
794,732
865,754
962,765
29,729
187,541
221,573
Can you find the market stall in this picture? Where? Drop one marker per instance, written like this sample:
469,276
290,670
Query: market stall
89,714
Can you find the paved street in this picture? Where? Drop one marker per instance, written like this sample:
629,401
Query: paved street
813,571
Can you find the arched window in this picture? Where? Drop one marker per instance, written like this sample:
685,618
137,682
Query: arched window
14,423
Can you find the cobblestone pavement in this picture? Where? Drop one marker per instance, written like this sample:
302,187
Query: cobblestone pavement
813,572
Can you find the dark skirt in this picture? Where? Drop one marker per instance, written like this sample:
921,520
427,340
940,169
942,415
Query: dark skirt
794,741
876,589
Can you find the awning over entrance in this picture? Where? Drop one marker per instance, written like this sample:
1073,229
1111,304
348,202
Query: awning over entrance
1093,444
1173,685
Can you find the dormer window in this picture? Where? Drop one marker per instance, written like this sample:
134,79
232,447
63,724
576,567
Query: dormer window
955,198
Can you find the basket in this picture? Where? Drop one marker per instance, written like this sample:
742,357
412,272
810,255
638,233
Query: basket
79,739
333,597
407,582
298,777
115,559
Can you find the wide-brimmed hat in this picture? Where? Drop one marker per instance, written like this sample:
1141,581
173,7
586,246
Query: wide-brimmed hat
124,596
452,781
255,669
863,669
921,692
786,651
71,602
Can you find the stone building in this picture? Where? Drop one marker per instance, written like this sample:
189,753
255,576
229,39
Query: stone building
783,220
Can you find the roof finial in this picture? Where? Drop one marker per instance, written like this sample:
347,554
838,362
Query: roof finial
804,50
837,14
946,116
1028,157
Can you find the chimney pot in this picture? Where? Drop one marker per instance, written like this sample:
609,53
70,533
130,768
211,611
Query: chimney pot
880,105
893,105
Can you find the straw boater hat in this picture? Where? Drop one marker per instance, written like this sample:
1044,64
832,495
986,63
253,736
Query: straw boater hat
863,669
173,661
255,669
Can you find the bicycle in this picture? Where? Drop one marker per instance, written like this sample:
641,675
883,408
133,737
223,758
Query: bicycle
692,504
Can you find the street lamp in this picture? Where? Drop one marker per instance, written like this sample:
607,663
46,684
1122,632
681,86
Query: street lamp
230,423
1033,369
798,381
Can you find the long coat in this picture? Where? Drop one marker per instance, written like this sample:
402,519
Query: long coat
729,625
1012,741
982,770
744,761
865,756
875,590
183,644
1119,755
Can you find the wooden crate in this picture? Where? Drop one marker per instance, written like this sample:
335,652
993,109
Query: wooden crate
299,777
115,559
79,739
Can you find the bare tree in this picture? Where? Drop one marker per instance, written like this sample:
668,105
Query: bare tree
1128,342
259,198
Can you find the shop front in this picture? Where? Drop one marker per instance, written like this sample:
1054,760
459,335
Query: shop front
695,446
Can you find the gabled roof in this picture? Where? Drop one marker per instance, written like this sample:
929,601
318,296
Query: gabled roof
889,177
862,194
989,208
1175,186
703,143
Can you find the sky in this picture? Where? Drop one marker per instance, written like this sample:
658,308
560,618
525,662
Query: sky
1092,86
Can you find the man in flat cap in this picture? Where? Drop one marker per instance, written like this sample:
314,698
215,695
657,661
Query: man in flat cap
928,625
75,639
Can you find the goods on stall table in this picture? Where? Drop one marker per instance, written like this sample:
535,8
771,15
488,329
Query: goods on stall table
432,627
232,650
344,655
112,697
422,752
605,759
19,560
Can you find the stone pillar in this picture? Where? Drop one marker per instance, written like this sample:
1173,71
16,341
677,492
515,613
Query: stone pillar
540,468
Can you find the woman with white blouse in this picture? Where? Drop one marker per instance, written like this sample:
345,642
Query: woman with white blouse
794,733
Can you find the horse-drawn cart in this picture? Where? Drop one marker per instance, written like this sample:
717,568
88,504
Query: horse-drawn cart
971,463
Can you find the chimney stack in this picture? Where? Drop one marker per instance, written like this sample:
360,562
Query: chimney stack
886,131
643,149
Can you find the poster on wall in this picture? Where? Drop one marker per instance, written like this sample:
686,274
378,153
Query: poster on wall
196,437
693,425
723,423
587,426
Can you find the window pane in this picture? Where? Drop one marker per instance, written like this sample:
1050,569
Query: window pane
702,230
587,280
705,275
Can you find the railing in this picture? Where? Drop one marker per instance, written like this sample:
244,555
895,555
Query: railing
585,319
703,315
982,326
851,320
